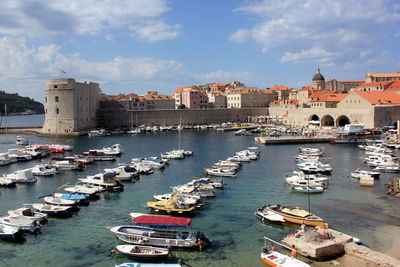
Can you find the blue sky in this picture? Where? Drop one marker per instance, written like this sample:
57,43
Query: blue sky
141,45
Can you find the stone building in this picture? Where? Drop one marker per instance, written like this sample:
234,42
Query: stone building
382,77
283,92
244,97
155,101
70,106
217,99
193,98
341,86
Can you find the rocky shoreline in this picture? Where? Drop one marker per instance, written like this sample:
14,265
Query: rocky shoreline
393,188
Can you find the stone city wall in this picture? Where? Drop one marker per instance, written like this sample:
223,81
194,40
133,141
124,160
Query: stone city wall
115,118
386,115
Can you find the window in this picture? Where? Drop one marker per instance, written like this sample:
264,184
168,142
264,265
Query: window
45,99
57,111
55,86
56,98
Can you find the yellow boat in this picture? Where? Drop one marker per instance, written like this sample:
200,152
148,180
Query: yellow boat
171,206
297,215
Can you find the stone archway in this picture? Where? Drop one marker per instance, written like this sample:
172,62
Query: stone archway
327,120
342,120
314,117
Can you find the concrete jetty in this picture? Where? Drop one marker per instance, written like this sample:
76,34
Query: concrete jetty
319,249
269,140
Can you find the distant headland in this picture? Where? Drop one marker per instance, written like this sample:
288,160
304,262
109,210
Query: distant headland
19,105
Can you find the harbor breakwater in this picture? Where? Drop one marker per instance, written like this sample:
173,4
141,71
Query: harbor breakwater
116,118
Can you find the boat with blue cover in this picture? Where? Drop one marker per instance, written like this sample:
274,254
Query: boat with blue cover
80,199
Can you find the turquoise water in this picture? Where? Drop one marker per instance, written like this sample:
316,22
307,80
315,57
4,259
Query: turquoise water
228,219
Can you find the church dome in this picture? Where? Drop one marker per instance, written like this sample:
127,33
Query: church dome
318,76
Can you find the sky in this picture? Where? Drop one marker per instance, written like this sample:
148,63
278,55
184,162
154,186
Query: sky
161,45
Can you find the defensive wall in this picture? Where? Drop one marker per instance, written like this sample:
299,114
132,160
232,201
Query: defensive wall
120,118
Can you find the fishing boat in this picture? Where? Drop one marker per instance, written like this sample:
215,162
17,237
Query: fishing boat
159,220
172,206
142,253
160,238
276,259
308,189
22,176
297,215
11,233
105,180
267,215
53,210
30,214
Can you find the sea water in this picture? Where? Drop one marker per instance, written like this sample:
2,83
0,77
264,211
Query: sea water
228,219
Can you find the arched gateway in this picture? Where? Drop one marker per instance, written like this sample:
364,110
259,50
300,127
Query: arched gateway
327,120
342,120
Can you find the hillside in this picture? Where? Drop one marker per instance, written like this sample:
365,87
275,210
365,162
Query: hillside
19,105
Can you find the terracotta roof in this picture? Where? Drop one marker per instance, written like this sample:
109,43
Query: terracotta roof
374,84
330,98
320,93
286,101
179,90
394,86
385,75
379,97
220,84
309,88
279,88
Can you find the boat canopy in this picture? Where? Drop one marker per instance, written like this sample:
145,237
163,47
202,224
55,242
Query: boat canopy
158,220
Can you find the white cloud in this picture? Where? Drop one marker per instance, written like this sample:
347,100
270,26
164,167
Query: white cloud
26,68
317,30
143,18
223,76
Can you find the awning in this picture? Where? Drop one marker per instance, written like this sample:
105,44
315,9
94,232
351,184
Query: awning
158,220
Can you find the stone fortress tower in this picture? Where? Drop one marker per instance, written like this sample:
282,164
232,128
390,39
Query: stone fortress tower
318,81
70,106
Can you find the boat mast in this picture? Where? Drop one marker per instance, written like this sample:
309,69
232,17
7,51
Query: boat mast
5,116
180,130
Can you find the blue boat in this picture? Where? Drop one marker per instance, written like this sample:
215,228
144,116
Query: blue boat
81,199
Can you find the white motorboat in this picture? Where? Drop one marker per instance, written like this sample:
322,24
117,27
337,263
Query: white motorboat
22,176
97,133
105,180
22,222
123,172
153,163
59,201
8,232
134,131
269,216
311,150
358,173
114,150
4,159
174,154
215,183
185,152
61,147
6,182
239,158
308,189
19,155
314,167
21,141
226,163
85,189
43,170
186,200
388,168
247,153
65,165
303,183
29,213
161,238
219,172
301,176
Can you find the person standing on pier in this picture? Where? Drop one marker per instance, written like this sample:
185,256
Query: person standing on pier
294,251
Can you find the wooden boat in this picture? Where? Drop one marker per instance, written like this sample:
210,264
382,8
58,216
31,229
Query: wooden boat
53,210
160,238
142,253
276,259
297,215
171,207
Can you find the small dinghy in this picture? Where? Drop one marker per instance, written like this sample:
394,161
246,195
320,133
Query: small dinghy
11,233
142,253
80,199
53,210
30,214
274,258
53,200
